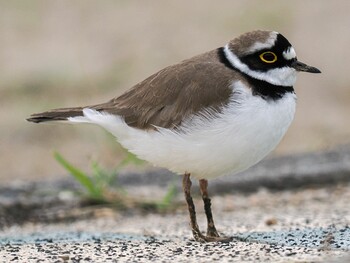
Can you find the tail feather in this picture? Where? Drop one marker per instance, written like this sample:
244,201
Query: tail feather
56,115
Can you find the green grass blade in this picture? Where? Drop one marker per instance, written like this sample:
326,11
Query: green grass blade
80,176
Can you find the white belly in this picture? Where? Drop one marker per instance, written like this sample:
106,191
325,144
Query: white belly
237,138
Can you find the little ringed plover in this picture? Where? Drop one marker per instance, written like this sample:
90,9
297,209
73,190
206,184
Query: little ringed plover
214,114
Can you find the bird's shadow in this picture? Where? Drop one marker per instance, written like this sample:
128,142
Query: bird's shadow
330,237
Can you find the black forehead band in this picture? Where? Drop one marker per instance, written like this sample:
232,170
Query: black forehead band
281,44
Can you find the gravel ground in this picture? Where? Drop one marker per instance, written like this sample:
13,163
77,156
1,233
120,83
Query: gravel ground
308,221
307,225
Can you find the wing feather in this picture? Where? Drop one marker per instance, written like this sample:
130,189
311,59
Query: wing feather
173,94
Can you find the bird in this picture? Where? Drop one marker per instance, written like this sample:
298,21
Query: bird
215,114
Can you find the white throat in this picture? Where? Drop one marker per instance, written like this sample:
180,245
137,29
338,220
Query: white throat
285,76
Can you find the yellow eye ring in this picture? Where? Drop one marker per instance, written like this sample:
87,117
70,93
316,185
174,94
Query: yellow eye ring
268,57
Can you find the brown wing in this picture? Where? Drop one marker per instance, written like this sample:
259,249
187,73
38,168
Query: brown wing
166,98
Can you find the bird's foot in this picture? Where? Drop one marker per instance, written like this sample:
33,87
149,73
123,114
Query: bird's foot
204,239
212,232
218,239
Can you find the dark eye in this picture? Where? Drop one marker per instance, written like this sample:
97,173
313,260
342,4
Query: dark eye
268,57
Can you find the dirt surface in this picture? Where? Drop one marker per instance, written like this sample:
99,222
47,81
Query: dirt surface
309,225
301,214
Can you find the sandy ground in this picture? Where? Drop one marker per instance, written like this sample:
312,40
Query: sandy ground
63,53
286,209
310,225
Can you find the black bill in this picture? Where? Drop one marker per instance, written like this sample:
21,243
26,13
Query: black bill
299,66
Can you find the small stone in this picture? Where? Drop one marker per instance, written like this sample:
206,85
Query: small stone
271,221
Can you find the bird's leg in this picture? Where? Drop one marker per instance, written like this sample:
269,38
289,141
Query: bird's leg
186,185
198,236
212,233
211,230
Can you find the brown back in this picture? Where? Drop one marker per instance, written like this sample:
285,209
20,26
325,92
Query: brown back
168,97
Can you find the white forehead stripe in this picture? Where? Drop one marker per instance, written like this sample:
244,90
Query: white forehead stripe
266,45
289,54
285,76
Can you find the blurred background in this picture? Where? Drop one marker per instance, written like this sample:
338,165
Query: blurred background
69,53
